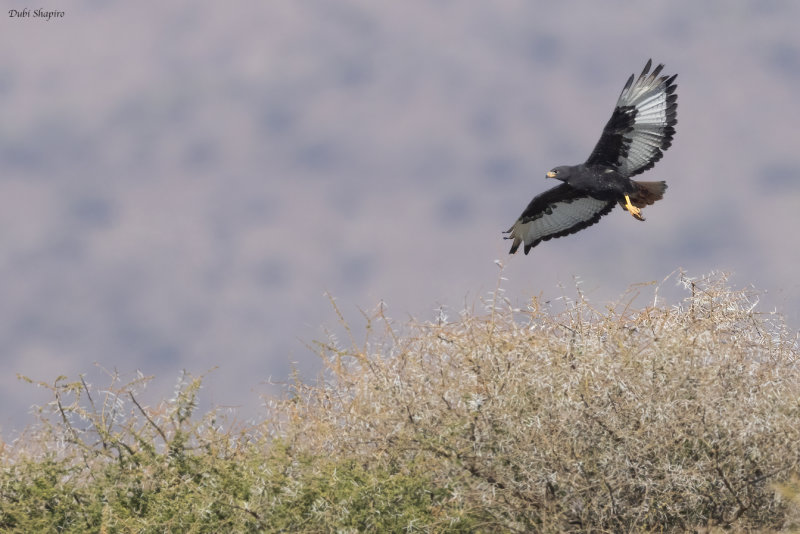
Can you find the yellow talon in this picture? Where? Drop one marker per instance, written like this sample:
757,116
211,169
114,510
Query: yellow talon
636,212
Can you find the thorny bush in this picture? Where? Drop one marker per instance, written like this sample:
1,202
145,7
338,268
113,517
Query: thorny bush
656,417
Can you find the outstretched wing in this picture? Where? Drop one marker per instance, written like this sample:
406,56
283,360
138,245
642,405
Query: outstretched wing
642,124
557,212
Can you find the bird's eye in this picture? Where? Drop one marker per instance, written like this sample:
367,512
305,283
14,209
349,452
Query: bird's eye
554,171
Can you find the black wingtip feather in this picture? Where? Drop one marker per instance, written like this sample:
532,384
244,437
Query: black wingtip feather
657,71
628,84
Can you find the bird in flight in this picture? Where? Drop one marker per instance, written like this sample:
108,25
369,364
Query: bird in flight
639,130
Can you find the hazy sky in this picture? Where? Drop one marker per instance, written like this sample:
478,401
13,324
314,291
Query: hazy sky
182,182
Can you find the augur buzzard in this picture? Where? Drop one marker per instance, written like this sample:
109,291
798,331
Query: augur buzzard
633,140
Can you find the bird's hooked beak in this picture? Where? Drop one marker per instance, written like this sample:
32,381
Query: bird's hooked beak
550,174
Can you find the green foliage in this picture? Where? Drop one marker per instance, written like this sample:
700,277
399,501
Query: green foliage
655,418
158,470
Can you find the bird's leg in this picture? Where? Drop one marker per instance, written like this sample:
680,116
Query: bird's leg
636,212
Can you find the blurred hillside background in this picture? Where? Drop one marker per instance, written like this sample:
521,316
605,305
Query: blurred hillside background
181,182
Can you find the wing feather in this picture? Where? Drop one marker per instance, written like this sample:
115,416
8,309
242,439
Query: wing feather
641,126
557,212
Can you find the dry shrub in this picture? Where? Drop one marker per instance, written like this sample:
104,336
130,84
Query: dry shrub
551,418
661,417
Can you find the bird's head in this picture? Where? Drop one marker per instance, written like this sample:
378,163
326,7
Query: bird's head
562,173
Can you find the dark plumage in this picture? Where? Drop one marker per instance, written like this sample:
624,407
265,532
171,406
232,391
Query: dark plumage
639,130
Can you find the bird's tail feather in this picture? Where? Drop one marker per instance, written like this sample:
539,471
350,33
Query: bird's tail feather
647,193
